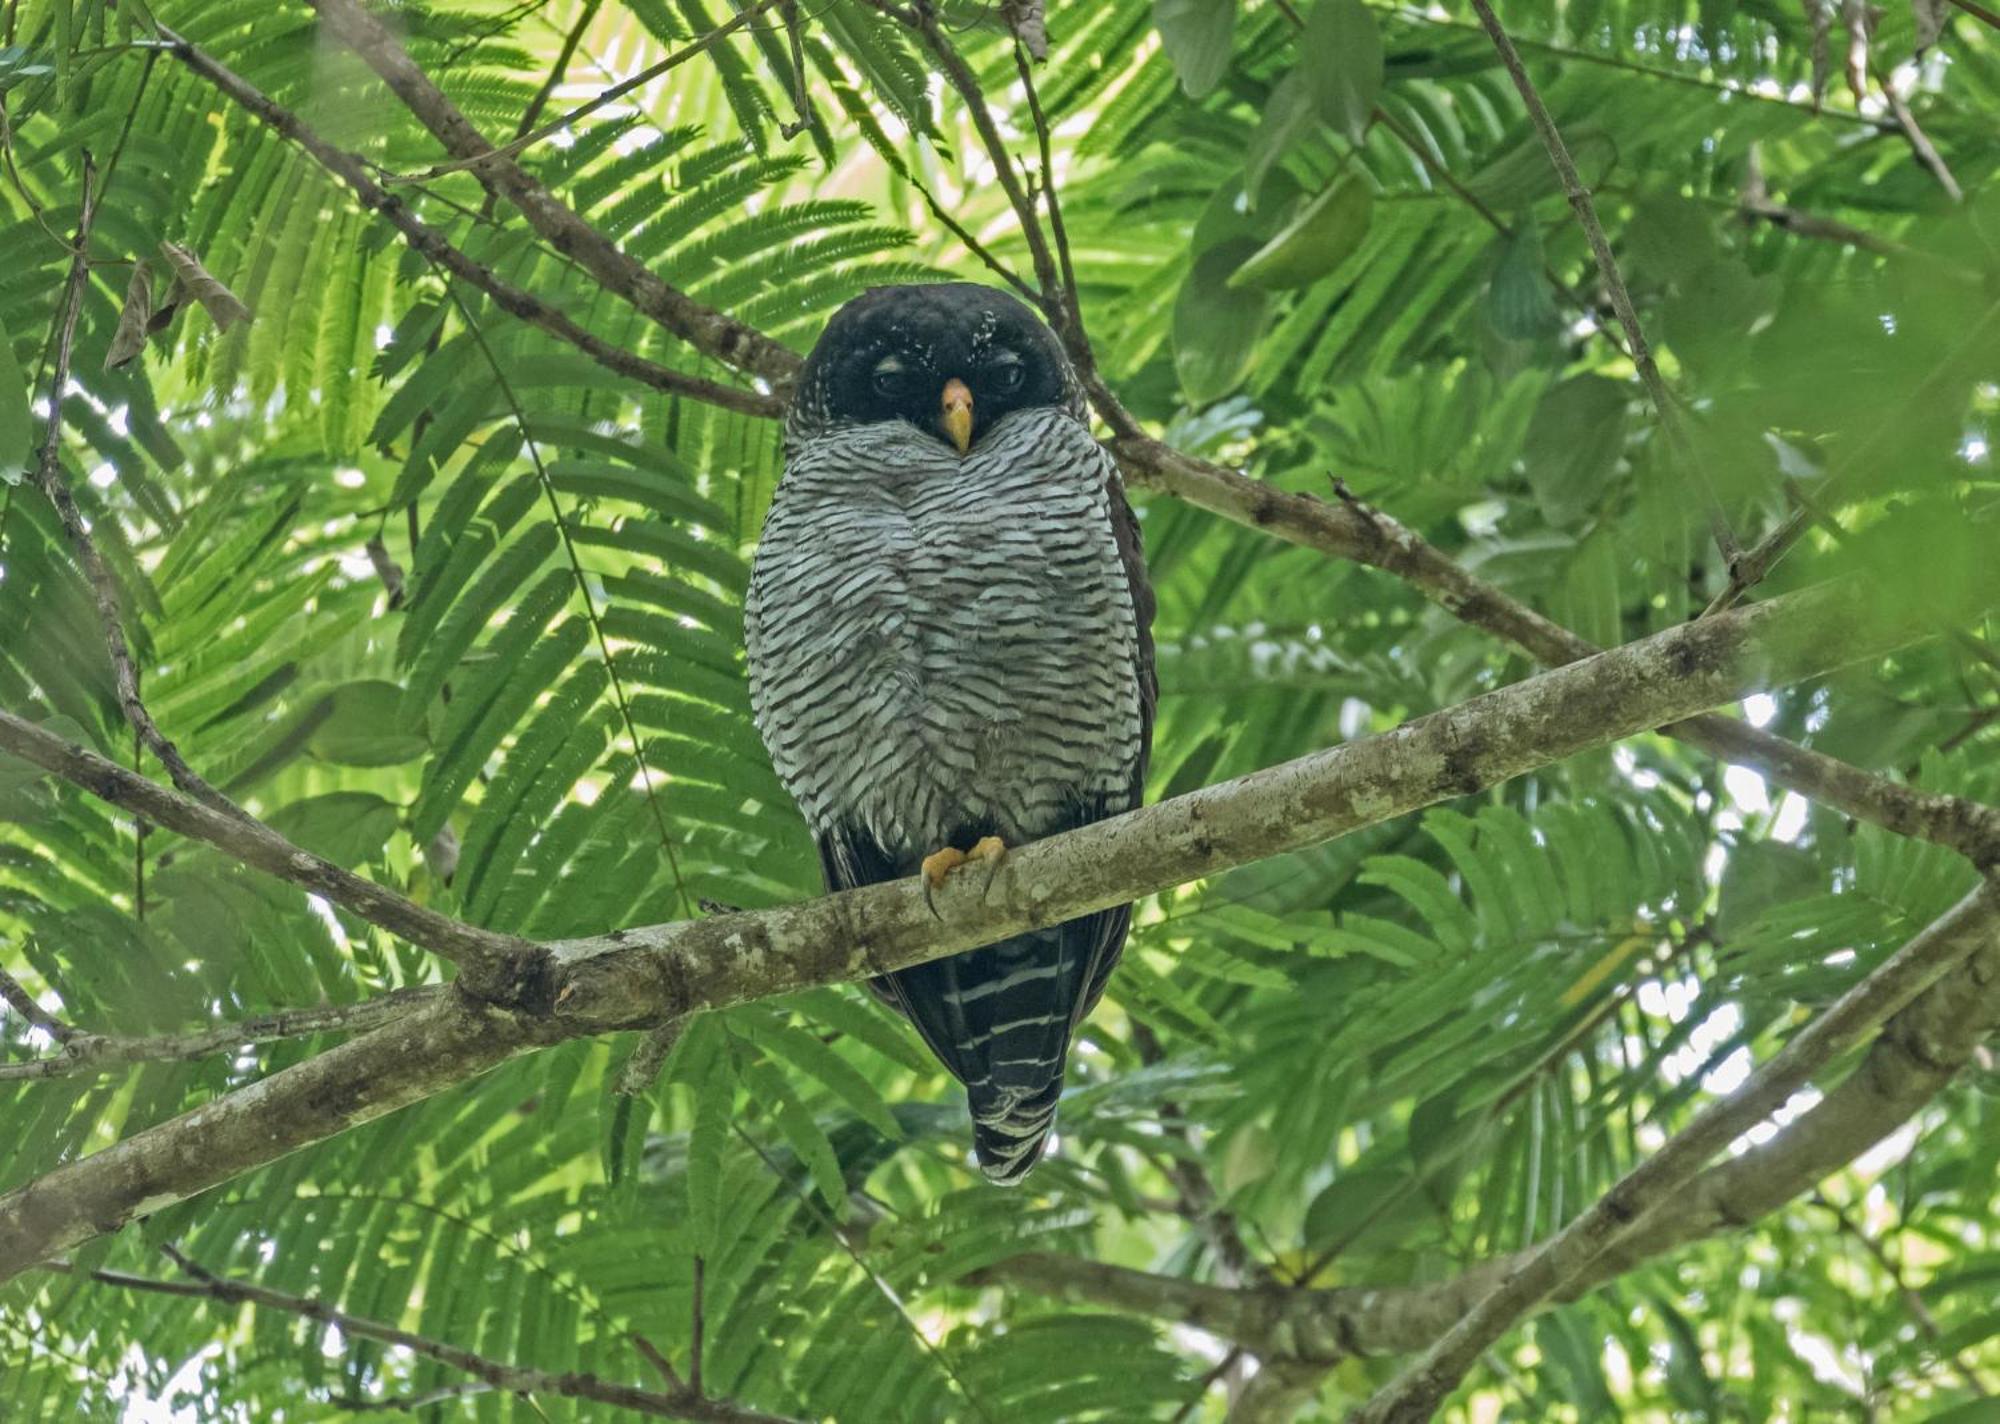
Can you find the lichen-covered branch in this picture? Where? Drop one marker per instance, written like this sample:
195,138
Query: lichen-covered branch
644,977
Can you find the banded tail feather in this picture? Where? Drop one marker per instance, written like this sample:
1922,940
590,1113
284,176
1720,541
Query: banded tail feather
999,1018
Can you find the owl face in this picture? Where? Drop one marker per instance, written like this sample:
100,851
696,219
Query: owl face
948,359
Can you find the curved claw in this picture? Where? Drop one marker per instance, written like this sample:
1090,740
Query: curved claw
940,863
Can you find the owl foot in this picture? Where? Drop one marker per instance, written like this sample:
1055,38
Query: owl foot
940,863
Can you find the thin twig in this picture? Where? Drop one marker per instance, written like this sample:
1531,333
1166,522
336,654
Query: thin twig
577,572
520,144
971,243
1857,459
433,245
84,1053
1071,301
572,41
1920,144
1614,283
801,100
922,17
103,588
514,1379
1907,1293
23,1003
411,1403
1421,152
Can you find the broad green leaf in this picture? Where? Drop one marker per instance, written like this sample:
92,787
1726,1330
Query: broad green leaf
1327,231
1518,302
1340,53
1216,329
364,728
1197,35
347,827
1288,115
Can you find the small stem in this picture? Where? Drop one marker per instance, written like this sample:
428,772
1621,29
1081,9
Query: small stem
1614,282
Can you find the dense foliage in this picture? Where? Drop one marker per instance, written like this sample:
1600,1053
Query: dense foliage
446,601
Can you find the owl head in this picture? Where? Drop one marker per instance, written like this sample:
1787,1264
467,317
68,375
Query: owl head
949,359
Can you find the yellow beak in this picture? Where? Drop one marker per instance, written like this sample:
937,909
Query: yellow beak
956,414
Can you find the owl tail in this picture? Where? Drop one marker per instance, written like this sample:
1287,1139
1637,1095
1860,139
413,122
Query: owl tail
1010,1127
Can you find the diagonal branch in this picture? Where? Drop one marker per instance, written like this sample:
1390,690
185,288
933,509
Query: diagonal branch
712,332
258,846
514,147
103,588
644,977
23,1003
102,1053
1416,1393
1920,1050
434,245
1607,271
1352,530
512,1379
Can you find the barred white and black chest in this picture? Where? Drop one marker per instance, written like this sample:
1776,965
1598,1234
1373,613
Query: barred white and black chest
939,643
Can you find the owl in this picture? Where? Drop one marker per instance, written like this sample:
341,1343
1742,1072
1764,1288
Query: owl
949,634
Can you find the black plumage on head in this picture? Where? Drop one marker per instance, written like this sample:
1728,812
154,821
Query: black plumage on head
888,354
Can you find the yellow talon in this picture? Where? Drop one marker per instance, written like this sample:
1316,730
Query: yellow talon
940,863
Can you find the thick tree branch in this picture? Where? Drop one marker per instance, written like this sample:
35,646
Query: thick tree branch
1567,1257
433,244
644,977
1918,1051
511,1379
103,1053
707,330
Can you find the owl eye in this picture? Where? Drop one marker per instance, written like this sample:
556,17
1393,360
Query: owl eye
1008,377
887,383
